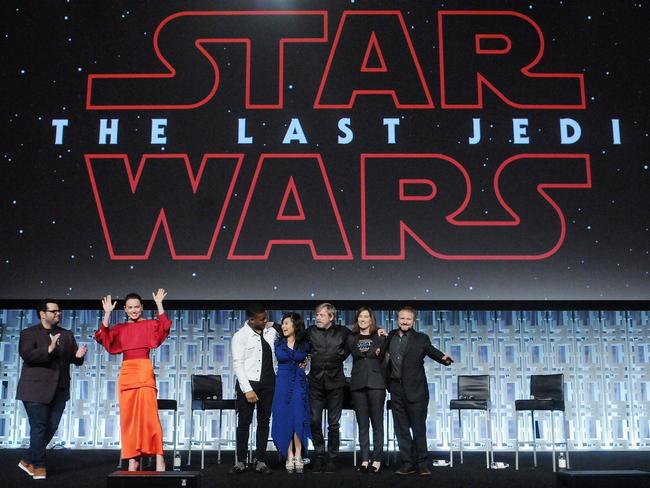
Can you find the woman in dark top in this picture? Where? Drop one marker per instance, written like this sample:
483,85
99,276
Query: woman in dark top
368,387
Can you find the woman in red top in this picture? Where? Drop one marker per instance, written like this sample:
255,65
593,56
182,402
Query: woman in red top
139,422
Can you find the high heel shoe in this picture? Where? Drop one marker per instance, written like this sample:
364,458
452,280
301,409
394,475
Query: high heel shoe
290,465
299,466
374,469
363,468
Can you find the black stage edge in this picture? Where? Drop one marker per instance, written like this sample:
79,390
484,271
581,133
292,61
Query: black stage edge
153,479
603,478
91,468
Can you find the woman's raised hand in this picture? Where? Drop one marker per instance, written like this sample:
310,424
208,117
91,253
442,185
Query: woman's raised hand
159,296
108,305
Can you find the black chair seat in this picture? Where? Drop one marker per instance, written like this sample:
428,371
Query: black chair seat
167,404
539,404
223,404
469,404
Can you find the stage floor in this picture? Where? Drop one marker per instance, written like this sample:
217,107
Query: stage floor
89,468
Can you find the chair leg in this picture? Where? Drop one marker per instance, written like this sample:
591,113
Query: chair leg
532,418
219,438
203,439
516,440
553,438
451,439
189,449
175,426
460,437
387,437
566,440
491,442
487,455
488,440
119,455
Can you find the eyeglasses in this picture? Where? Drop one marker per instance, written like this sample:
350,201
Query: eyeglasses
54,311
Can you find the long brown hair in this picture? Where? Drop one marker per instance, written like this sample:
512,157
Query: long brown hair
373,321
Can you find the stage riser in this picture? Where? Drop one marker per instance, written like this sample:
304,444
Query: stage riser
152,479
603,479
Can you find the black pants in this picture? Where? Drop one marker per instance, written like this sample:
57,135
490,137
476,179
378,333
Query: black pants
44,419
410,417
369,407
332,400
245,409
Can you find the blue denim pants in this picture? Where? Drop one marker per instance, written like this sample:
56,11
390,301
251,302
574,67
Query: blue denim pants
44,419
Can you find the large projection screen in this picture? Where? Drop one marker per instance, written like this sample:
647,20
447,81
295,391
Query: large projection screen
280,150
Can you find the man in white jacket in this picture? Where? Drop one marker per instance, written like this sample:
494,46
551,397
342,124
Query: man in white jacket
254,363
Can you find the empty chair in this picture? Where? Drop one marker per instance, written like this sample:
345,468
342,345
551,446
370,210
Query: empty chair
473,394
547,394
207,394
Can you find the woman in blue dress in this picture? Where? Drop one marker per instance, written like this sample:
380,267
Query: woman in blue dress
291,410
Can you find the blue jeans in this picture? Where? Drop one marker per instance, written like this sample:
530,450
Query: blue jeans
44,419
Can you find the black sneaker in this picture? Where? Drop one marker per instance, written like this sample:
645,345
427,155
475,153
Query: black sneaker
262,468
237,468
330,467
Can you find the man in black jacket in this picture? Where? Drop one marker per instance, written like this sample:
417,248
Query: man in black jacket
326,383
407,384
44,385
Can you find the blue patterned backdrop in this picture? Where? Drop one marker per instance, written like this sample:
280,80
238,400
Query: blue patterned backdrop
605,358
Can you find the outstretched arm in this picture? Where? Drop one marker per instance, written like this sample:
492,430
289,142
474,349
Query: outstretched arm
436,354
158,297
108,305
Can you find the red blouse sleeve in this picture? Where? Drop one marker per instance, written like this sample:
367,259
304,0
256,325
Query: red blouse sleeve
159,330
109,338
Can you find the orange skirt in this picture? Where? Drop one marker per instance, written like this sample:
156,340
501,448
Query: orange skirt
139,421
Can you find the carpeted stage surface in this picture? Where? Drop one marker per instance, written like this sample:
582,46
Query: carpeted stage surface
89,468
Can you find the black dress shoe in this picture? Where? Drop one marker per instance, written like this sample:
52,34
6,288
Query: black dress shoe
363,469
374,470
424,471
406,470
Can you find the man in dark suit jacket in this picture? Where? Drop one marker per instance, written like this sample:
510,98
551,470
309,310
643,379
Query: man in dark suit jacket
407,384
44,385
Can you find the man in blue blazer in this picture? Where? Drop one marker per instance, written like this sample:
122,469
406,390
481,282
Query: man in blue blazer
44,385
407,383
